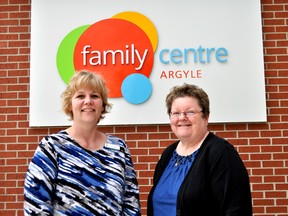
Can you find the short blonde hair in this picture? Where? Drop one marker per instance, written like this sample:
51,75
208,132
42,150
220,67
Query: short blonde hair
87,80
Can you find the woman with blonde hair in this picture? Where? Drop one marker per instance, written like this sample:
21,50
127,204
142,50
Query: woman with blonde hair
81,170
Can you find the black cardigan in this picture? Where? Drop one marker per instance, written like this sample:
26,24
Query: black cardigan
217,183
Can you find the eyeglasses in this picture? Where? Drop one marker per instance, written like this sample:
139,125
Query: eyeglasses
176,115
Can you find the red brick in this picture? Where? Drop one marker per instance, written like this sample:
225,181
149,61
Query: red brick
262,146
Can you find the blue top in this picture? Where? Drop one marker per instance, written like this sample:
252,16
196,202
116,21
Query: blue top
65,179
165,194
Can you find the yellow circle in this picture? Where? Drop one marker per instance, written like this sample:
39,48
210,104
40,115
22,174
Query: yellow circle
143,22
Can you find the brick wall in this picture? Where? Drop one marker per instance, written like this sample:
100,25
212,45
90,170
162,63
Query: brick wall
262,146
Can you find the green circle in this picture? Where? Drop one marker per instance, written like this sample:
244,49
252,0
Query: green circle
65,53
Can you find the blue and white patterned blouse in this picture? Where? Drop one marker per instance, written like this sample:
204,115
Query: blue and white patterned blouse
65,179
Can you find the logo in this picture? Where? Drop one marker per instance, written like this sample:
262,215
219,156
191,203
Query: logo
121,49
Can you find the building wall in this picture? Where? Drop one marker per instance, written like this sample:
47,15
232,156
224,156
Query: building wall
262,146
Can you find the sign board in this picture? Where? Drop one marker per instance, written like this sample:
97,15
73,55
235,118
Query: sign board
143,49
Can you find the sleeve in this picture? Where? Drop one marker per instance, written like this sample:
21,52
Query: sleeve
230,184
159,169
131,196
38,184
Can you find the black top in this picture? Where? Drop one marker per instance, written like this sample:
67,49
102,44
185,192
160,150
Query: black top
217,183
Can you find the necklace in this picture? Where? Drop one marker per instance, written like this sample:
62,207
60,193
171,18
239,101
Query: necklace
179,159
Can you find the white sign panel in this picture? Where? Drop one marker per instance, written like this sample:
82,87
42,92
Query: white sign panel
143,49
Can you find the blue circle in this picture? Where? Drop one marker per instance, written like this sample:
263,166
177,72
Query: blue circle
136,88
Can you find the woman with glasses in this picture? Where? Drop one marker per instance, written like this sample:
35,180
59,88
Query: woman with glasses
200,174
81,170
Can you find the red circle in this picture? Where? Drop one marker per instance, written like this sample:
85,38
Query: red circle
118,40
